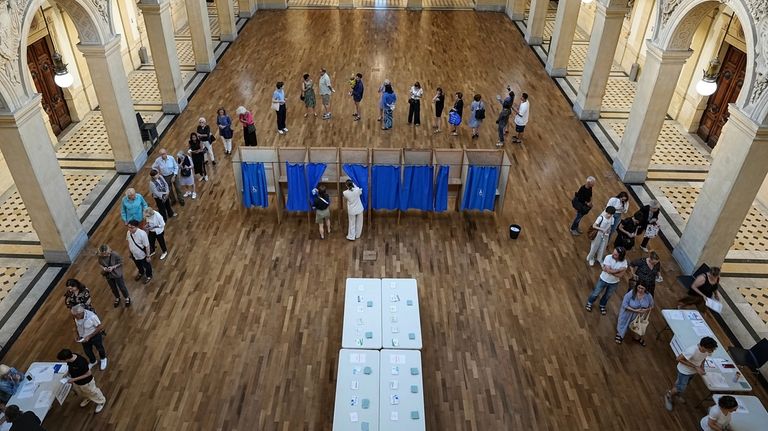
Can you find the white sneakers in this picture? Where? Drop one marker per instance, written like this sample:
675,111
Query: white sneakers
194,195
187,194
162,256
91,365
103,364
99,408
84,402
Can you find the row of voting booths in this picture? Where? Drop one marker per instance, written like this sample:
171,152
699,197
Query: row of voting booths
392,179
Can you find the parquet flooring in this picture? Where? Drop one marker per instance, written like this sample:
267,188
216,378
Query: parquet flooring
241,327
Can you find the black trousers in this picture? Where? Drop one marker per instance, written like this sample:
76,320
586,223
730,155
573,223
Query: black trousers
160,238
144,267
117,285
281,114
414,112
164,207
98,342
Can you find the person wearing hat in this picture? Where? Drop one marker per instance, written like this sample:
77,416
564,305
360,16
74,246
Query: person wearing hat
10,380
355,210
112,269
81,379
22,421
90,334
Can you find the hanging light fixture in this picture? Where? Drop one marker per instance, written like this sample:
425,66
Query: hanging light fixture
707,85
61,75
587,1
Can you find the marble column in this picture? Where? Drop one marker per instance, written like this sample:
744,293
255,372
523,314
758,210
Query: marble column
31,160
489,5
562,38
537,16
159,24
516,10
227,23
609,17
111,87
200,30
247,8
734,179
414,5
646,118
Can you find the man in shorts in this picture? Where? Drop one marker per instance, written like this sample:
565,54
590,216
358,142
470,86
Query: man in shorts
325,93
689,363
521,119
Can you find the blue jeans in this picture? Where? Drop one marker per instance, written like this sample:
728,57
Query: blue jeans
577,220
682,381
616,221
599,287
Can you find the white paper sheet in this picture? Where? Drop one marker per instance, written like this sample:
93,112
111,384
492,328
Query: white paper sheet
715,380
44,400
26,391
725,365
715,306
702,331
693,315
42,374
698,323
675,315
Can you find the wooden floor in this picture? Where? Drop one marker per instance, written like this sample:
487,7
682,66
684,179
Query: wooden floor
240,329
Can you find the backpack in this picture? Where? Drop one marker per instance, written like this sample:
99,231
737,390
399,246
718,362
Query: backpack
480,113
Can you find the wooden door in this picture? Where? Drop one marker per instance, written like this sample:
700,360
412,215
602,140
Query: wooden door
728,87
41,67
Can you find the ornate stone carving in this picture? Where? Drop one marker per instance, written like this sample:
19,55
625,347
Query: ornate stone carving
11,15
101,6
667,8
759,12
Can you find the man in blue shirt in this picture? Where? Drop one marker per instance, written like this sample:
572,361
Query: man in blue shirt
169,169
357,95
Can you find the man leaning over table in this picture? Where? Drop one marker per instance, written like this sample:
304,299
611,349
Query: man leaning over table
22,421
689,363
82,380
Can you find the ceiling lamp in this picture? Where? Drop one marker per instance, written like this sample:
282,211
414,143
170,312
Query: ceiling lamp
707,85
61,75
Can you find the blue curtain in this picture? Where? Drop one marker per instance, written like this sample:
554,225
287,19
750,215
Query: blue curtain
480,189
441,189
254,185
359,175
298,194
315,173
416,190
386,184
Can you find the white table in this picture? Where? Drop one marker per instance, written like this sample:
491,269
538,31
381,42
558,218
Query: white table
689,328
37,395
401,377
751,415
400,319
357,391
362,314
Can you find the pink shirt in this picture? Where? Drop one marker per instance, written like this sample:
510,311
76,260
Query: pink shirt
246,118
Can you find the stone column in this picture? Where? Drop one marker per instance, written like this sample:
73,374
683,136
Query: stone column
29,153
734,179
247,8
646,118
346,4
537,16
111,87
200,30
159,24
609,16
414,5
488,5
227,22
516,10
273,4
562,38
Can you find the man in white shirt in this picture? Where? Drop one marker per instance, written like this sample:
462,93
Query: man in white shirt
689,363
89,334
138,245
169,169
521,119
325,93
355,210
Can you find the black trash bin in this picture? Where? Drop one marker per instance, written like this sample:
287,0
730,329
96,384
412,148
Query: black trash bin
514,231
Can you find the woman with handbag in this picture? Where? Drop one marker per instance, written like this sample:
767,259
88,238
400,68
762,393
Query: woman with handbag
308,95
197,150
414,104
249,129
634,313
456,113
476,115
225,129
388,99
599,233
207,138
186,177
278,105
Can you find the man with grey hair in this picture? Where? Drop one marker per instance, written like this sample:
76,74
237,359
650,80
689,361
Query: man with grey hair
582,203
169,169
90,333
325,92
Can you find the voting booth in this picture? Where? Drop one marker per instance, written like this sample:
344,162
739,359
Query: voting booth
256,177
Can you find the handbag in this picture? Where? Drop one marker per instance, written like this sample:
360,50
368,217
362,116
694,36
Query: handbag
639,325
454,119
651,231
301,97
251,128
275,106
592,232
480,113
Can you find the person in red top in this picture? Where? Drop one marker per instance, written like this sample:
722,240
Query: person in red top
249,129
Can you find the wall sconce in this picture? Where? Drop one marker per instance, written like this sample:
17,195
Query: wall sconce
707,85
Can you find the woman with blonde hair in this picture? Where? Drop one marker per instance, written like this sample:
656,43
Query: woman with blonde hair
155,231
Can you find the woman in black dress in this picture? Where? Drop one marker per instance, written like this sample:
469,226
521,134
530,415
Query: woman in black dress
439,100
197,149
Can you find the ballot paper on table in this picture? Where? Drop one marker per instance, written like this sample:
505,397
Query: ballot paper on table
26,391
41,373
44,399
675,315
725,365
715,306
702,331
715,380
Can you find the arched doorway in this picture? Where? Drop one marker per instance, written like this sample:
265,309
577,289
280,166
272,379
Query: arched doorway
729,83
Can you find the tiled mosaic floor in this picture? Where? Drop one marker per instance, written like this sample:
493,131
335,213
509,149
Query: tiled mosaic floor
9,276
619,93
185,52
674,148
549,29
758,299
144,89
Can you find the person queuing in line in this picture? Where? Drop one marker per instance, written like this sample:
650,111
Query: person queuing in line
354,210
626,233
476,115
614,266
10,380
224,122
169,169
207,139
582,203
22,421
621,203
603,226
719,416
161,192
458,108
278,105
197,149
646,271
703,287
155,231
325,93
245,118
388,98
90,334
138,245
502,122
81,379
132,206
186,174
357,94
321,202
308,95
508,102
77,294
381,92
647,215
439,101
521,118
414,104
112,269
689,363
636,302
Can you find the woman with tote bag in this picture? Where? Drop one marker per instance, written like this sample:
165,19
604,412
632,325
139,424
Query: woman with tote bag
635,307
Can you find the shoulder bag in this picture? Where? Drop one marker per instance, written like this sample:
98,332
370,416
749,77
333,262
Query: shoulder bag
651,231
592,232
480,112
639,325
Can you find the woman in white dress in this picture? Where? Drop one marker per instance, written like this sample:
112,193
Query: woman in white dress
354,210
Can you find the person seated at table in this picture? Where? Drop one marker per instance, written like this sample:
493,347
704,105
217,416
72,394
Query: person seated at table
22,421
719,417
10,380
703,287
689,363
